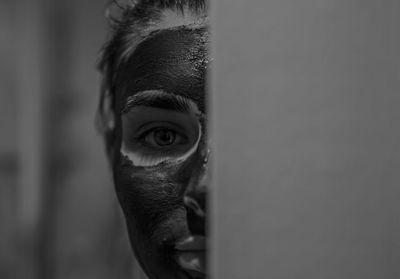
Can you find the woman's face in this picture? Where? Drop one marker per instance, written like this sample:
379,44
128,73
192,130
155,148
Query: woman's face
160,169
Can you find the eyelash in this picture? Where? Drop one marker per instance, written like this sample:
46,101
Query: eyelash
153,155
142,137
147,149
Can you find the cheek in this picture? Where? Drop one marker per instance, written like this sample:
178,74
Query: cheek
152,198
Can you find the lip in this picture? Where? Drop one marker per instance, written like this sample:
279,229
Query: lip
191,255
191,244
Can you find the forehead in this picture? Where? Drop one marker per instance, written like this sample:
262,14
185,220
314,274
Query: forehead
172,60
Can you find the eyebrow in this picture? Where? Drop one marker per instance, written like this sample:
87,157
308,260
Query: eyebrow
159,99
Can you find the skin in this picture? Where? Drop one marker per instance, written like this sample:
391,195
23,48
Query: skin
160,171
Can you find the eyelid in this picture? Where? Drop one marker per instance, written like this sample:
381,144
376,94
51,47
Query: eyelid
142,138
149,161
150,126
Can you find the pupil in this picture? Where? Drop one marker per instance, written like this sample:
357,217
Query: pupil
164,137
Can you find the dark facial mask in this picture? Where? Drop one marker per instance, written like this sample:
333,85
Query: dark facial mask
173,60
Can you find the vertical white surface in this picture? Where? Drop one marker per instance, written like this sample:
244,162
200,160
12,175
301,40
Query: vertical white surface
306,110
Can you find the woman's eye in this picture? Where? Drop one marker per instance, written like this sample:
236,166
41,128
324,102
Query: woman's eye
152,136
163,137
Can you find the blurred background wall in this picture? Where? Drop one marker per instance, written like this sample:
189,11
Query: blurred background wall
58,213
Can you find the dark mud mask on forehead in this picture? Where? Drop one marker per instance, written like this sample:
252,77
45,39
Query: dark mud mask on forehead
166,71
172,60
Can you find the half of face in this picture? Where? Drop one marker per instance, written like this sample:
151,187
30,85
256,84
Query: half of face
162,142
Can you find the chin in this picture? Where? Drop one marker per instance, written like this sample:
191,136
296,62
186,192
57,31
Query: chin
172,254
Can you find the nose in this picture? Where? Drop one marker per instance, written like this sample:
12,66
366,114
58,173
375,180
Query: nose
195,197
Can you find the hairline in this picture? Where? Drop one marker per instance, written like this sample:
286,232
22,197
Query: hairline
128,33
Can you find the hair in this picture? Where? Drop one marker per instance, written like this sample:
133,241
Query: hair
134,22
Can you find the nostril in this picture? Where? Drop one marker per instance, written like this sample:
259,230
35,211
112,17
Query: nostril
196,216
194,205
